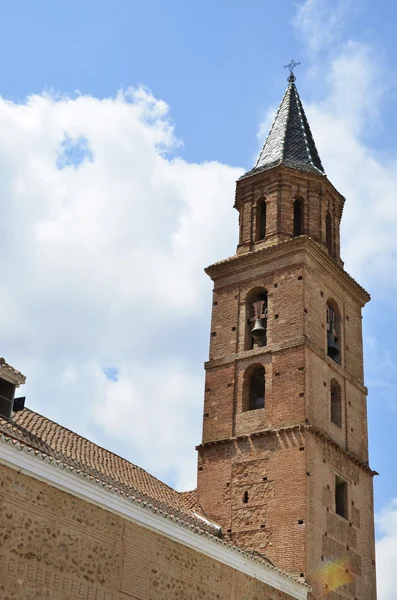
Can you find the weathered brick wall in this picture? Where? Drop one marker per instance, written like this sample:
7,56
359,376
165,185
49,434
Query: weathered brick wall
332,537
271,469
352,435
320,286
54,546
224,413
279,188
299,279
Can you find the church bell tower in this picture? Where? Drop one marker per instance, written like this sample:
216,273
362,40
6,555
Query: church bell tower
283,464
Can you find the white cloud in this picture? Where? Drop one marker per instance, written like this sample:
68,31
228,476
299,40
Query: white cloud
106,236
386,552
321,22
342,123
105,258
352,76
157,402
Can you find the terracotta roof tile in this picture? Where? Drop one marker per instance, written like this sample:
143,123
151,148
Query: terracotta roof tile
190,499
31,431
43,435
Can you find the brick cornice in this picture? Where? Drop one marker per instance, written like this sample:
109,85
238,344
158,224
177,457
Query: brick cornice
274,348
262,351
347,453
239,263
306,427
285,175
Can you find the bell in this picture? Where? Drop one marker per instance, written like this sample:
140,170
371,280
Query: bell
258,331
333,350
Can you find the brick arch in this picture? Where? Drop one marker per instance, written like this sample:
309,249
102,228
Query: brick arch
254,387
251,368
259,289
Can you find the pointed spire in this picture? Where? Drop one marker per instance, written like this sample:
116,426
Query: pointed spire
290,141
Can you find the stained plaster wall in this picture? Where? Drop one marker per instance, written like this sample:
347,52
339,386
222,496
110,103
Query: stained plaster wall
55,546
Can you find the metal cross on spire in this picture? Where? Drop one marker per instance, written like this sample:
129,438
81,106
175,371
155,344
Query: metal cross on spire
291,68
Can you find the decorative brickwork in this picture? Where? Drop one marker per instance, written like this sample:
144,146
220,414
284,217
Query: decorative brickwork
269,475
279,188
283,465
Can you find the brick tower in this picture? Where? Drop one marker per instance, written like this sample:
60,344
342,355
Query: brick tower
283,464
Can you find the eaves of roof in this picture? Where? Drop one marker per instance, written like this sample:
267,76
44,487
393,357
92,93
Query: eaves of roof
228,266
197,526
8,372
46,438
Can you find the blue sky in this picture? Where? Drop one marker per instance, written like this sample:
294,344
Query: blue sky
205,80
216,64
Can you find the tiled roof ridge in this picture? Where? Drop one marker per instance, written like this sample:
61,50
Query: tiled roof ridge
175,502
190,496
193,502
82,437
90,471
123,490
198,526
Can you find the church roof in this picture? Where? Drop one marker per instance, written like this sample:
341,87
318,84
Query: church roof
50,439
31,432
290,141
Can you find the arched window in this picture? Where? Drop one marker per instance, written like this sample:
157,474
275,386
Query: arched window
336,403
328,233
298,217
256,389
333,331
256,309
261,221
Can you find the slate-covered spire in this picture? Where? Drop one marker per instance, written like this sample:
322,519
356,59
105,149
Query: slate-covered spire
290,141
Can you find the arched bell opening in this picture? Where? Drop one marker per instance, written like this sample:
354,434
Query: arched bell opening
256,319
333,331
